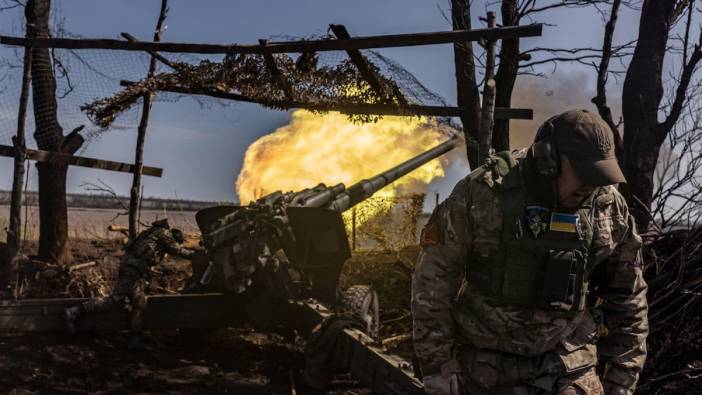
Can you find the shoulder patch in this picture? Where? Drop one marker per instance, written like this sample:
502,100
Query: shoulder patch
430,234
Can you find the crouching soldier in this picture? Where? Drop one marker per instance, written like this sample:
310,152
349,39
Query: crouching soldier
143,252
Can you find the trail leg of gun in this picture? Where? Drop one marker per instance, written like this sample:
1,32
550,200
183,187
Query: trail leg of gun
356,352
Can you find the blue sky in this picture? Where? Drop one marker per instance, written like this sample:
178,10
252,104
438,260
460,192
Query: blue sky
201,149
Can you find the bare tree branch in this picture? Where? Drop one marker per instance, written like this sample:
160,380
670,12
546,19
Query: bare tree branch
528,7
681,91
679,10
600,100
11,4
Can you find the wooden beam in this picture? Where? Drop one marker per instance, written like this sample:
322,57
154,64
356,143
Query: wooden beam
384,41
71,160
162,312
364,67
153,54
513,113
275,72
371,109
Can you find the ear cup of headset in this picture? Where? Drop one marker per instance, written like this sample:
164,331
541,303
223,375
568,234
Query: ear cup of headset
546,158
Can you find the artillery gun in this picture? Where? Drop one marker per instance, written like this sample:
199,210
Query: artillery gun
286,250
274,264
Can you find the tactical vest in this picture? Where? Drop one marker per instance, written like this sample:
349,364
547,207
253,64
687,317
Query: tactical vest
543,255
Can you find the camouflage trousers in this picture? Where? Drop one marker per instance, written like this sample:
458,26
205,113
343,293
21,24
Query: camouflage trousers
127,293
488,373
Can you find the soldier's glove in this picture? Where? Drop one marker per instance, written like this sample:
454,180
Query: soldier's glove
444,382
437,384
618,381
611,388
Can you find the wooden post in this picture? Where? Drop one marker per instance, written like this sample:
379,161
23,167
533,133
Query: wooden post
13,233
487,117
141,136
436,204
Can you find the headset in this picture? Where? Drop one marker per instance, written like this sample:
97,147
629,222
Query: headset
546,158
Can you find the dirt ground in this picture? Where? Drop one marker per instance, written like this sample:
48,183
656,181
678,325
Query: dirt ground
245,362
236,361
227,361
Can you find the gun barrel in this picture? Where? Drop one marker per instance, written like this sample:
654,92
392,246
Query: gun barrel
364,189
322,198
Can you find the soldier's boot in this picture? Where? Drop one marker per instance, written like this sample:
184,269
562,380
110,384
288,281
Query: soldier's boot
71,314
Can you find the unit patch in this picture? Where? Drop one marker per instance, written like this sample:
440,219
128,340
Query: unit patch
537,220
430,235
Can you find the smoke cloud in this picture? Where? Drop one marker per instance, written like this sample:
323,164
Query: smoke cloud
552,95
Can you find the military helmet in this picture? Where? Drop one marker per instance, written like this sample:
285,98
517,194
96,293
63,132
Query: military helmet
178,235
161,223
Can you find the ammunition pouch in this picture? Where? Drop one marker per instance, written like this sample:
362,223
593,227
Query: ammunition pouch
564,283
554,280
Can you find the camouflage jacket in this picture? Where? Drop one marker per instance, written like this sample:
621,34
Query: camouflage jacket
447,312
150,246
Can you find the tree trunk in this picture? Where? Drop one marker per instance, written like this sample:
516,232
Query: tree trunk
53,215
466,88
506,76
642,94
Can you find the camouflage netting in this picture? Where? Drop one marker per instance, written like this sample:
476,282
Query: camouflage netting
326,79
89,90
249,76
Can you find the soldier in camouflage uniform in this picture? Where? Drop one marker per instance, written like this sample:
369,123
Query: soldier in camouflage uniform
530,273
143,252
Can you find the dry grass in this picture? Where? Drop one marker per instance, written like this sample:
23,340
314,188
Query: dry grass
92,223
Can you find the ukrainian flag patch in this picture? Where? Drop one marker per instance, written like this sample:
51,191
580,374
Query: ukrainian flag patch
564,222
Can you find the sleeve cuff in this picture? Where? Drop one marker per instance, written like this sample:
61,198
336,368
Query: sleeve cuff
620,377
445,369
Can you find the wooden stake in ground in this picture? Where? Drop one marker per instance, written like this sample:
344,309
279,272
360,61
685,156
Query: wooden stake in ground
141,137
13,232
487,115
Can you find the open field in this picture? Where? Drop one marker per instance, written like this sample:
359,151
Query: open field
92,223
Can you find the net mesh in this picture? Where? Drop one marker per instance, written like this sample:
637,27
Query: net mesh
89,90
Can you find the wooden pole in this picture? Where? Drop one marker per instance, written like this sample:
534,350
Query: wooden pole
141,136
487,118
385,41
13,233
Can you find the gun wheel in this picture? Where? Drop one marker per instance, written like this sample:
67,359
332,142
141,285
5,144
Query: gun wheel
361,303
